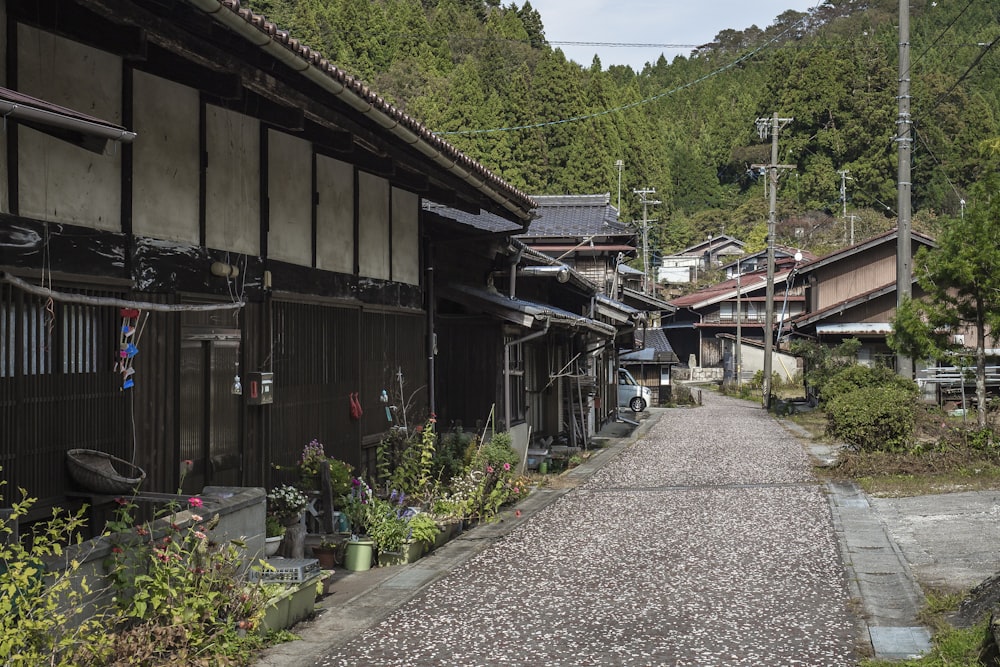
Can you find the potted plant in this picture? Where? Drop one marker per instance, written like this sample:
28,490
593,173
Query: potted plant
327,553
287,503
274,531
311,463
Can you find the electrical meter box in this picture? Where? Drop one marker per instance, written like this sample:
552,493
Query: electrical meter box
259,389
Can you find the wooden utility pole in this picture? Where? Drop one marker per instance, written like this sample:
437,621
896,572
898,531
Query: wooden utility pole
764,127
904,140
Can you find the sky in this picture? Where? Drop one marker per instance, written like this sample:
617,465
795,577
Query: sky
673,22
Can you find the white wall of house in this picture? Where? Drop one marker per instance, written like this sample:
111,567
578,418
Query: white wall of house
405,236
335,215
166,166
289,189
56,180
62,182
373,226
232,181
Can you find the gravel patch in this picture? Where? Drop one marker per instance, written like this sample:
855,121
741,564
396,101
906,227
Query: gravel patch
706,543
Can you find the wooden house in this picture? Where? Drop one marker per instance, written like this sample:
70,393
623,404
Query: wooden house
851,293
737,307
522,336
687,265
211,244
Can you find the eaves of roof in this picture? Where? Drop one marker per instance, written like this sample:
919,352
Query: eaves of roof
841,306
309,63
525,313
843,253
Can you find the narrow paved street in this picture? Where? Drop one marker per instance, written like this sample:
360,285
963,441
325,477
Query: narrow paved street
706,543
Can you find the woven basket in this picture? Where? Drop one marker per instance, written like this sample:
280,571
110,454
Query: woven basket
103,473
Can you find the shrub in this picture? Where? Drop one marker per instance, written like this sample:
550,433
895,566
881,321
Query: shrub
873,418
43,611
857,377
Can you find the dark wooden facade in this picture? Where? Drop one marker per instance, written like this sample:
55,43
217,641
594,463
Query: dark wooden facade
308,265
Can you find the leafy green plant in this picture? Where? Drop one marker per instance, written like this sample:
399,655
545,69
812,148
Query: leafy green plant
405,461
423,528
43,612
273,526
181,597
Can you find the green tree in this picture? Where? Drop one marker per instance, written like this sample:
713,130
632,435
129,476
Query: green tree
962,289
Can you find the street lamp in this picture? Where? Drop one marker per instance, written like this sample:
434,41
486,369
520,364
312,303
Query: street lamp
961,202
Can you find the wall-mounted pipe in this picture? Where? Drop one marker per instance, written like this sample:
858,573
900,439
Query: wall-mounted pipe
28,113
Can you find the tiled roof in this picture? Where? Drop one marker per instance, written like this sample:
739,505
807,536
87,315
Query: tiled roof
364,100
575,216
484,220
748,282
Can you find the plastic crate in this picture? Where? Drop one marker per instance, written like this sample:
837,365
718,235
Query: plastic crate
289,570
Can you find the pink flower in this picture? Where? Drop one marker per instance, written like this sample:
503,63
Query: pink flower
506,466
200,535
517,489
489,469
195,518
195,502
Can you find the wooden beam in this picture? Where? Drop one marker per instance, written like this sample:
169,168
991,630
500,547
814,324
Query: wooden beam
81,25
163,63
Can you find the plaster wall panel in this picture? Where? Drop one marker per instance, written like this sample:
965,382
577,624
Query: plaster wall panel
166,169
373,226
289,191
232,182
4,195
335,215
57,180
405,237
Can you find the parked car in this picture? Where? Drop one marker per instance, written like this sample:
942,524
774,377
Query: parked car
631,394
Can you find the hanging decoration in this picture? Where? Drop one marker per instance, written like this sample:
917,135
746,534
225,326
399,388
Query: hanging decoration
127,346
356,410
384,397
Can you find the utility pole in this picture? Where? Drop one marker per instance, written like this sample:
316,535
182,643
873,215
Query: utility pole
739,326
619,165
904,139
771,126
843,198
645,233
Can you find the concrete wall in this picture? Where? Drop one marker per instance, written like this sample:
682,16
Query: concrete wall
166,167
289,189
334,215
56,180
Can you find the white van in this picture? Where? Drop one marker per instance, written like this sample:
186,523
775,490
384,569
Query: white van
631,394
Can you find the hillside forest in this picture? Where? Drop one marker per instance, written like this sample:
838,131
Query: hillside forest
484,77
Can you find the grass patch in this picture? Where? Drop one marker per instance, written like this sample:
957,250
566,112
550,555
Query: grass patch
951,647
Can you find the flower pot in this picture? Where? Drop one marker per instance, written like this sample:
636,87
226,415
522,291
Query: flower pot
358,555
327,556
271,545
